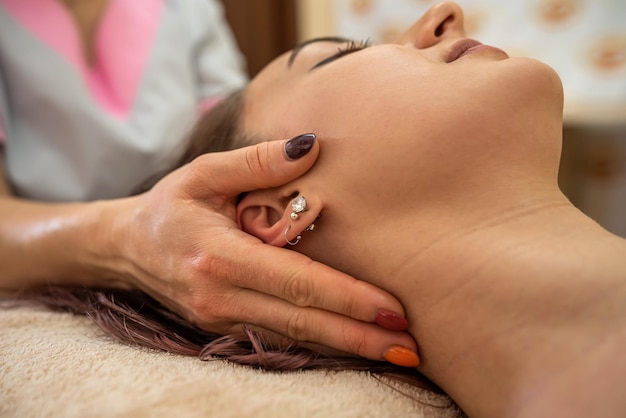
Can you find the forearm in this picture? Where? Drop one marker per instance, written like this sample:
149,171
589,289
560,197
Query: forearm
57,243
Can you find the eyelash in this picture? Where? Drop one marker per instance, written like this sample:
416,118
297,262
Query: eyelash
352,46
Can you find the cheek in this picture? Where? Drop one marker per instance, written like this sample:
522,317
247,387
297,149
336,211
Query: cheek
366,102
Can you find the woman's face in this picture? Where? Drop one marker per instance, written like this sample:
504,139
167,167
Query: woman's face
420,113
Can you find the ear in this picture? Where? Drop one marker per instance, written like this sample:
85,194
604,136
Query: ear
266,214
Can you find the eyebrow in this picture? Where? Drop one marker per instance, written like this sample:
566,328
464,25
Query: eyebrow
299,47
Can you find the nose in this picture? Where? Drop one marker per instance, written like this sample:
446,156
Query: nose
440,21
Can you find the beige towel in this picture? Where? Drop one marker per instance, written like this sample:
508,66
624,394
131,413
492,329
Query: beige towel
60,365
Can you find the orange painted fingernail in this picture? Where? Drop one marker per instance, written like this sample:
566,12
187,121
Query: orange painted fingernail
402,356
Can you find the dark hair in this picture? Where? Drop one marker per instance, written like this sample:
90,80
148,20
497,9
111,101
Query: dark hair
217,130
132,316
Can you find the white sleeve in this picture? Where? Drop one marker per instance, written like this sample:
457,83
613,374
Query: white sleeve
219,65
4,111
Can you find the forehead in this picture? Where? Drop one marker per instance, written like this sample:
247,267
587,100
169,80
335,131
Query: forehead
279,82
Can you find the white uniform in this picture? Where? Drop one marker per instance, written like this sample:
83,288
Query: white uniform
72,132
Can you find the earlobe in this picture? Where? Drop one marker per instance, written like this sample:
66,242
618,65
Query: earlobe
277,220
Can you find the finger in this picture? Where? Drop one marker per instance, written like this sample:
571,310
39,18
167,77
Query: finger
260,166
299,280
320,327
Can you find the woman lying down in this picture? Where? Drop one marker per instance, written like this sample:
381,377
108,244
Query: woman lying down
438,183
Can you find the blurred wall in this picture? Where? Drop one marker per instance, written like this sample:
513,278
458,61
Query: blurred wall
583,40
315,18
263,29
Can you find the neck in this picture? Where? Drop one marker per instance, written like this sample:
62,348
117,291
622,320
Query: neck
511,312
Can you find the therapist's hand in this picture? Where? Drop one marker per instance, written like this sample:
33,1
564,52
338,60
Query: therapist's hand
183,247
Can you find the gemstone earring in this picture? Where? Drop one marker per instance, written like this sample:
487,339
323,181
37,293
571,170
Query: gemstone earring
298,205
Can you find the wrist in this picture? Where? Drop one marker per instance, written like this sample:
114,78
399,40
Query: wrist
107,227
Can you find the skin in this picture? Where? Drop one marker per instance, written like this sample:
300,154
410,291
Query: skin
86,15
179,242
438,183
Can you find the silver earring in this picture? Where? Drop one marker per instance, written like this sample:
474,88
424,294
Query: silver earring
298,205
298,238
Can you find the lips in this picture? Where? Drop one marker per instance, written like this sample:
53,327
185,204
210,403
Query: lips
459,48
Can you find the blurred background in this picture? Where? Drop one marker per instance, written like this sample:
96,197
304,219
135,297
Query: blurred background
583,40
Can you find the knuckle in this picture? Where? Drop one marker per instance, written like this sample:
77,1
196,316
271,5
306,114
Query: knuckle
297,327
211,313
204,265
197,167
196,177
349,302
209,298
205,308
353,307
258,159
298,289
355,341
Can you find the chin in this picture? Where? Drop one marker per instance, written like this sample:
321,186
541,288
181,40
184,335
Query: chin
540,79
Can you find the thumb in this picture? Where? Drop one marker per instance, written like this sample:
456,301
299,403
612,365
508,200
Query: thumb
260,166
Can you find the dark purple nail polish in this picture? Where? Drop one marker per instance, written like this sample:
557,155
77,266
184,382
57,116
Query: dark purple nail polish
391,320
299,146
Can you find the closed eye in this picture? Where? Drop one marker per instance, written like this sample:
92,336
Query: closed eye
351,47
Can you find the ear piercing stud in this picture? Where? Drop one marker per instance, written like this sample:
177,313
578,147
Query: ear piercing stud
298,205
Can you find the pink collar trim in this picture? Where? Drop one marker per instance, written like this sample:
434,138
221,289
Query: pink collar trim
124,39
